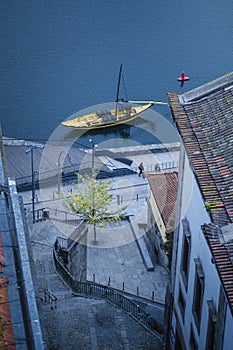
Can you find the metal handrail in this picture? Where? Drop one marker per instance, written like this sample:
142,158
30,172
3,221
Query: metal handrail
158,167
93,289
56,214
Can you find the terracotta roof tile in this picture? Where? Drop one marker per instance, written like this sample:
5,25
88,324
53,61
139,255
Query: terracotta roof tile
2,260
7,340
223,258
204,118
164,188
206,132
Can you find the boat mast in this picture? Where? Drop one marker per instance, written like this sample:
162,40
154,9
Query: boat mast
119,82
118,88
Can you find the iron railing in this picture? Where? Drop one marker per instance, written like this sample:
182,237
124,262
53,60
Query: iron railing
172,165
56,214
93,289
69,175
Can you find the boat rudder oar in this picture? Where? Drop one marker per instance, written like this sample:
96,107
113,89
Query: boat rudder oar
152,102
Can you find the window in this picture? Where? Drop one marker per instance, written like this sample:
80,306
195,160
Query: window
192,340
186,248
179,338
221,319
198,293
178,345
182,303
211,331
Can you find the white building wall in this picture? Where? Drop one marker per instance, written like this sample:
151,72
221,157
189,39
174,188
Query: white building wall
193,209
228,331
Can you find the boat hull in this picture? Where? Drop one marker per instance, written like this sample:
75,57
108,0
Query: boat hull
106,119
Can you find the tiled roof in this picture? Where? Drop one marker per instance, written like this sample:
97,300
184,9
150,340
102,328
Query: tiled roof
223,258
204,118
2,260
206,128
164,187
6,330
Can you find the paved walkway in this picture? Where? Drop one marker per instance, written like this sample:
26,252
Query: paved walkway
122,263
114,260
76,322
116,257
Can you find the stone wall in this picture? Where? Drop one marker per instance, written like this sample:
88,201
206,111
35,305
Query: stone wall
154,242
77,253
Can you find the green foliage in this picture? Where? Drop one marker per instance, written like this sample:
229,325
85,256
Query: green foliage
63,257
207,205
168,245
93,201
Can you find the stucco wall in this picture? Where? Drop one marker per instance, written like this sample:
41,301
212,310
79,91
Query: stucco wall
154,240
192,208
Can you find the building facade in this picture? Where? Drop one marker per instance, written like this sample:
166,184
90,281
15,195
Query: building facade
201,294
161,215
20,326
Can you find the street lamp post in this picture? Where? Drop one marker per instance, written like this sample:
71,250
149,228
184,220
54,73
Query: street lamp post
92,153
31,148
59,174
93,190
33,187
93,146
33,182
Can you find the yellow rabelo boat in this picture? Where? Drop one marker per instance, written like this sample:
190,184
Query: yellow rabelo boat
124,112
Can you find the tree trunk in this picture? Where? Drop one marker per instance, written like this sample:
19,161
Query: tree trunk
94,228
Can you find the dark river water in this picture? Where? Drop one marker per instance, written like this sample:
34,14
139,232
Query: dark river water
61,57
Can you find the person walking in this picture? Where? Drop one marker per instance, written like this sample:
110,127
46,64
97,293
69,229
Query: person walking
141,169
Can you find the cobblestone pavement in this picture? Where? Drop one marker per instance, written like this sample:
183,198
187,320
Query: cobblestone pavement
91,324
79,323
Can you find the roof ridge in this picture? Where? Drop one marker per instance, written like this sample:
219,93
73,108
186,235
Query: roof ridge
206,89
